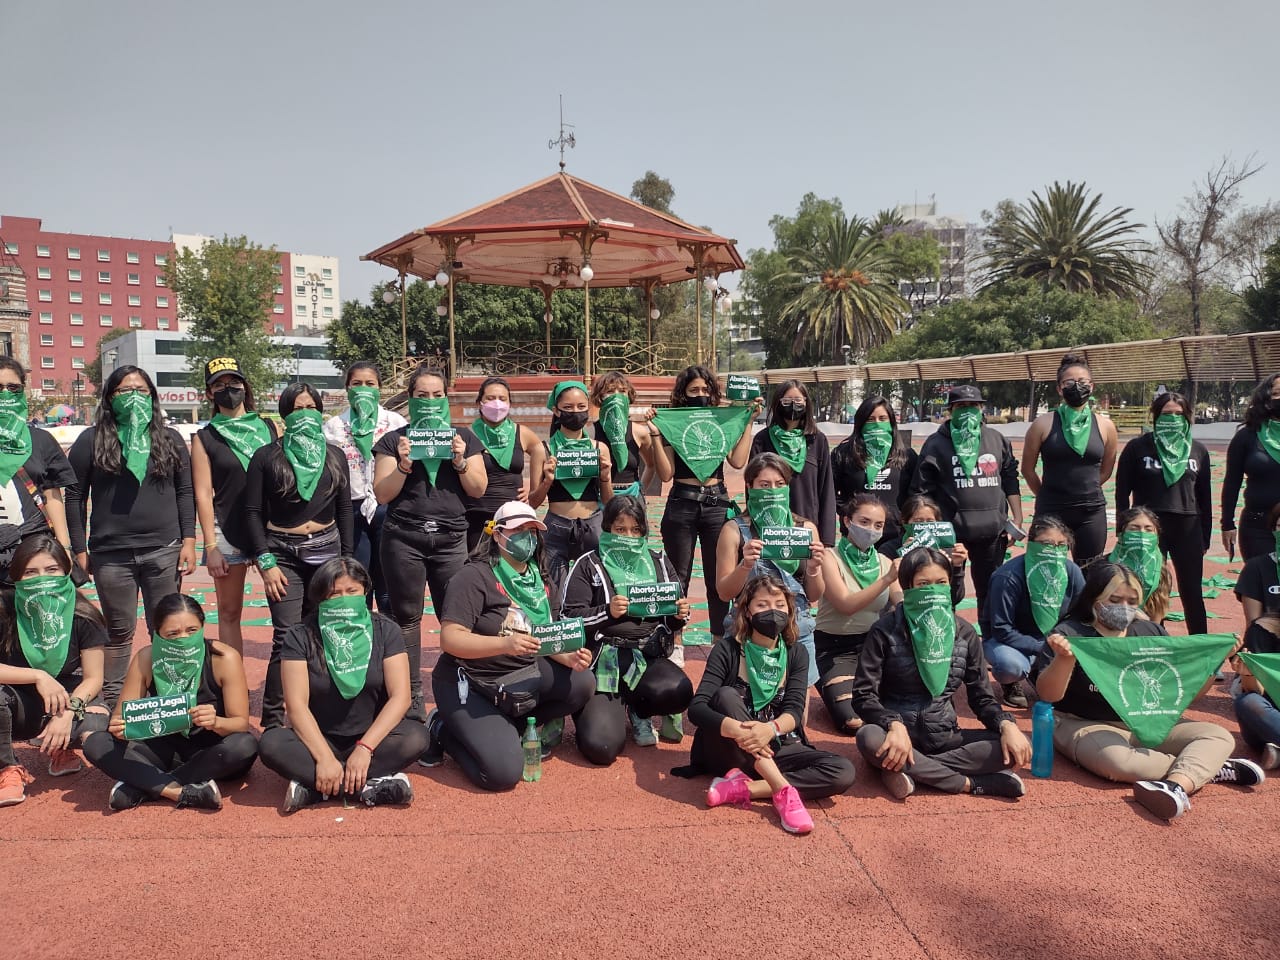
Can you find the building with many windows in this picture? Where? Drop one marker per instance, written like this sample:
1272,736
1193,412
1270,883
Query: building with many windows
951,234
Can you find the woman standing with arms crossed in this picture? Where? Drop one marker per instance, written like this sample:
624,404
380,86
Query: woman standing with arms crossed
1079,450
137,474
793,435
630,444
1253,458
508,447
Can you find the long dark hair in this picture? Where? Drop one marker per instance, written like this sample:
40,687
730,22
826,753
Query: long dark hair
321,586
420,371
32,546
278,467
1164,399
1097,577
1255,415
361,365
807,424
687,376
633,507
897,453
249,402
916,560
172,604
742,619
490,382
8,363
106,436
1157,605
918,501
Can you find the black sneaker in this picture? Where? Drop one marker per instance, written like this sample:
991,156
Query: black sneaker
382,791
1166,800
1241,772
297,796
124,797
433,756
201,796
1002,783
1011,693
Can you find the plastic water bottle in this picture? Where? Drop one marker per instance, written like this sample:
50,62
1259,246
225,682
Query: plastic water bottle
532,752
1042,739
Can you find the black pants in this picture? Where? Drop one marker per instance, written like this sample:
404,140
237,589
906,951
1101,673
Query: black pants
1087,524
985,558
601,725
567,539
837,656
979,752
22,717
283,751
151,765
1253,537
684,524
814,773
1182,540
415,560
368,538
483,739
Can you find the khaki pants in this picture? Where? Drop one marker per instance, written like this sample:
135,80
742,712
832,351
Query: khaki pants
1194,749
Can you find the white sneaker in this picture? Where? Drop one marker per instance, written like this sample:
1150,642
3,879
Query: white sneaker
1166,800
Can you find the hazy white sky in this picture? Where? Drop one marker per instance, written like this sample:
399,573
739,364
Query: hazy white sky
332,127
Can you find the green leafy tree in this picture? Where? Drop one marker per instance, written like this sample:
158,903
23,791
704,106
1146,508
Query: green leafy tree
1262,299
93,369
225,292
654,192
917,259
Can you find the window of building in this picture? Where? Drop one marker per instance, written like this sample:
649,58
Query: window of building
104,299
46,339
326,274
44,273
160,280
279,328
77,339
11,248
135,300
42,249
45,295
162,323
278,308
104,320
279,289
46,317
162,302
73,275
104,276
130,258
171,348
328,311
46,362
279,268
104,256
134,279
135,321
300,310
77,363
47,385
77,319
300,290
161,260
299,271
166,378
311,352
327,293
73,253
75,296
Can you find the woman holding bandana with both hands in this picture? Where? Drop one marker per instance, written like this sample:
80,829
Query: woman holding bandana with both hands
508,449
631,444
874,460
794,436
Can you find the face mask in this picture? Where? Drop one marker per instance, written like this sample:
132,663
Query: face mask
1272,407
864,538
794,409
697,401
229,398
521,546
1076,394
495,411
1115,616
769,623
572,420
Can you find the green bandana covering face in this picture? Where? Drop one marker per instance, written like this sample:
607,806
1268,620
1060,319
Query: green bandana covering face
615,422
429,412
932,625
966,436
789,445
864,565
1140,552
1046,570
1172,434
766,671
1266,669
498,439
877,440
1269,437
176,664
1149,681
133,426
703,436
626,559
557,445
769,507
243,434
346,634
15,434
364,417
525,590
304,449
45,607
1076,422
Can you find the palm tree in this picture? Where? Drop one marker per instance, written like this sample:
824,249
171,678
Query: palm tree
848,294
1062,241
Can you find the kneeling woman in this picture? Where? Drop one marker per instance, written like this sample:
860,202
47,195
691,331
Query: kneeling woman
913,661
346,692
183,768
1090,732
489,678
749,712
51,641
633,672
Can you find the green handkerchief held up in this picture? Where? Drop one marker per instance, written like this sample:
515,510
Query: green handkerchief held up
703,436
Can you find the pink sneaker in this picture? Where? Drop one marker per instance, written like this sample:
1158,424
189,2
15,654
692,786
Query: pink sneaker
732,788
13,781
795,818
63,763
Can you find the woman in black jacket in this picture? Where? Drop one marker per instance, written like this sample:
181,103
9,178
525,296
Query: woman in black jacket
873,459
1253,458
912,662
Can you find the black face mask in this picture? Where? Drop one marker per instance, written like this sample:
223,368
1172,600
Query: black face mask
769,623
229,398
572,420
794,410
1272,406
1076,394
697,401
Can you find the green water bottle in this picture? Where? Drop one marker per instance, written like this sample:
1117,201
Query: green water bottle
532,752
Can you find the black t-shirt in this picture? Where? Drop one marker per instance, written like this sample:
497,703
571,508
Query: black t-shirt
475,601
419,500
1259,581
1081,697
47,468
228,478
335,715
1140,480
85,635
891,486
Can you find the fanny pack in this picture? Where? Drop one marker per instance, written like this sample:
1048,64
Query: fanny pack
657,645
514,693
312,549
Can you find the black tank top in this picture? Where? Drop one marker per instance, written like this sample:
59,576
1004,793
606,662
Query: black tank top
228,485
682,471
208,691
504,484
624,478
1070,480
558,493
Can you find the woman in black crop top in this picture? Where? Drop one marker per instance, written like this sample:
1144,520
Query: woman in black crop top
1078,449
1253,458
642,441
183,768
508,448
298,506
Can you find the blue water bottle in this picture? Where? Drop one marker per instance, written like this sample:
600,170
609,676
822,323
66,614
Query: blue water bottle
1042,739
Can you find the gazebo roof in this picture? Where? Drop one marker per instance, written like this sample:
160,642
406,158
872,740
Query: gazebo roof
515,239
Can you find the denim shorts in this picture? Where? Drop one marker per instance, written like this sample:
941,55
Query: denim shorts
231,554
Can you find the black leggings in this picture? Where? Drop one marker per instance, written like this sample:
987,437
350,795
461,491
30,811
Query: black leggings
1087,524
685,523
22,717
601,725
837,656
283,751
979,752
814,773
152,765
985,558
483,739
1182,540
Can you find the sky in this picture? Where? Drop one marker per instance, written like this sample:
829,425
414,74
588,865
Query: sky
332,127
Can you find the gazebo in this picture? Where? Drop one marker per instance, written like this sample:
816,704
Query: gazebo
560,233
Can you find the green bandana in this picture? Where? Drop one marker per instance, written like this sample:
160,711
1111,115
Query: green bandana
304,449
865,566
1266,669
45,607
1046,572
364,417
789,445
703,436
1269,437
346,633
15,434
1150,681
499,440
525,590
558,443
932,625
1173,445
627,560
429,413
877,440
1076,422
133,427
608,671
766,671
772,508
560,388
243,434
176,664
615,421
1276,555
1140,552
966,436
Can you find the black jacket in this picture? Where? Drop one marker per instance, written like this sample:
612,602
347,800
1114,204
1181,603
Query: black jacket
977,506
587,592
722,671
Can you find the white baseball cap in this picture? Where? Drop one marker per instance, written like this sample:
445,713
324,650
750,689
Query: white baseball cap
513,514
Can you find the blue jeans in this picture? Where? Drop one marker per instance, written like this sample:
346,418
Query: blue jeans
1259,720
1007,664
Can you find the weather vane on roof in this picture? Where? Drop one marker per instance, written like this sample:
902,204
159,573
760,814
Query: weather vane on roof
565,139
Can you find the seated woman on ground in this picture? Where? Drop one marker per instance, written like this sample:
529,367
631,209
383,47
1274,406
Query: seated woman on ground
1255,705
1258,588
921,509
913,661
861,584
1138,548
749,711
